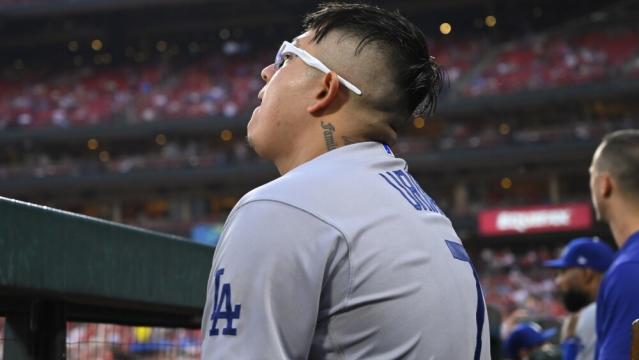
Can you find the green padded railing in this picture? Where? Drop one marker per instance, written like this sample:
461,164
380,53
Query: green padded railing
53,253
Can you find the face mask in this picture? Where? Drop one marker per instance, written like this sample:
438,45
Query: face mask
575,300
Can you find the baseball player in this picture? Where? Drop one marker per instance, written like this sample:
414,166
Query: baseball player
528,341
580,269
614,186
344,256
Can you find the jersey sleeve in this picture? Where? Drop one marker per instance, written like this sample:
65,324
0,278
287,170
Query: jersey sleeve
570,348
616,312
265,284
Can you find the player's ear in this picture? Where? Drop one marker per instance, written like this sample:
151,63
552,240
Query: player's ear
606,185
325,94
589,275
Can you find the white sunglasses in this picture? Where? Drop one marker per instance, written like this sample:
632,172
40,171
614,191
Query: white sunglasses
310,60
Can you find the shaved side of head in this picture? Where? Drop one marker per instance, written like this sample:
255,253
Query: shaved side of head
618,155
382,52
369,67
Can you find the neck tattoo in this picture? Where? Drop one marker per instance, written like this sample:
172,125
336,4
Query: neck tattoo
329,137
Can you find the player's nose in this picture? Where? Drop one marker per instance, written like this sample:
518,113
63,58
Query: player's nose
268,72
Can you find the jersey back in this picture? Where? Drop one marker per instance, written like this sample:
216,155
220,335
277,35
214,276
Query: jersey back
349,259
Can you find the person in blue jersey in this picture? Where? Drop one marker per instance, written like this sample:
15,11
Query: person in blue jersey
528,341
344,256
614,186
580,269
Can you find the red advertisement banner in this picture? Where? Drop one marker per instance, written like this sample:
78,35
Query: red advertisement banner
535,219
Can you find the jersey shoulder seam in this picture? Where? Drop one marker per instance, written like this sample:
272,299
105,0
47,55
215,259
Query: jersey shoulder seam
321,219
624,264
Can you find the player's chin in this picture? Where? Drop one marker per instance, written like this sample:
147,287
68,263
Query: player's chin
254,119
251,132
255,144
249,141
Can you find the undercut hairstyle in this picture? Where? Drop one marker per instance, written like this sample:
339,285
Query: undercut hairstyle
416,74
620,157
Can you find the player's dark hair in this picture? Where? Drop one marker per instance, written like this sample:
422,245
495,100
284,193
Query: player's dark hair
418,74
620,156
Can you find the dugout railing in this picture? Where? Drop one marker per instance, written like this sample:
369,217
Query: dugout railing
57,267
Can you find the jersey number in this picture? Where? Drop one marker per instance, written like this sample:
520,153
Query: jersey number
228,312
459,253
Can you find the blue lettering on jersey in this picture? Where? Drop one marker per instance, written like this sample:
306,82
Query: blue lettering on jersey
410,190
459,253
230,313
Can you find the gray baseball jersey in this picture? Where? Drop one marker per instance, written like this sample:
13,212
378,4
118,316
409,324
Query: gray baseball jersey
343,257
585,331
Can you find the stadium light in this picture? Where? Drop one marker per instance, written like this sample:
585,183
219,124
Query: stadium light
96,45
225,34
92,144
504,129
73,46
104,156
161,46
445,28
506,183
226,135
490,21
160,139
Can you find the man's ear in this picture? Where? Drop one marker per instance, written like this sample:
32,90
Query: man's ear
589,275
327,93
606,185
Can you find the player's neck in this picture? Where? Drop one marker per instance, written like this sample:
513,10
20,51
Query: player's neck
297,152
624,224
326,136
294,159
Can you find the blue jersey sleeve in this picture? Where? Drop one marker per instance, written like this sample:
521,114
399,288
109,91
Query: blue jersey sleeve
617,308
570,348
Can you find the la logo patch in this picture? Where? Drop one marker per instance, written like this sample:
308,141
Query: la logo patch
222,308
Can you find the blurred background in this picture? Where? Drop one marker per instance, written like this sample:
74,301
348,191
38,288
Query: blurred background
135,111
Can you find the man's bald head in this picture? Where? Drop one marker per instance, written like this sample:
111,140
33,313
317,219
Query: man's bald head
384,54
618,155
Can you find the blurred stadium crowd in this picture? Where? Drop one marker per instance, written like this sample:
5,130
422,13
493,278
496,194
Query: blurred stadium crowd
109,342
227,84
23,161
